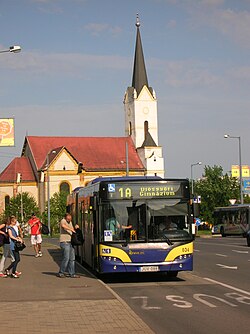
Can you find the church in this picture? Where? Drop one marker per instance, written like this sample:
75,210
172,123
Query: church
52,164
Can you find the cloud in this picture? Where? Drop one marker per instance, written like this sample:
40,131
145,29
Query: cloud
97,29
171,24
184,73
62,63
228,21
235,25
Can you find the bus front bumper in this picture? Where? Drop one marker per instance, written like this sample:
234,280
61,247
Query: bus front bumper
112,265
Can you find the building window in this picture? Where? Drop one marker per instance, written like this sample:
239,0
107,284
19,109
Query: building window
145,129
7,201
64,187
130,129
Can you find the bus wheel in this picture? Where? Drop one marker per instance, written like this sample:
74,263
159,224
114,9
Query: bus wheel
222,232
172,274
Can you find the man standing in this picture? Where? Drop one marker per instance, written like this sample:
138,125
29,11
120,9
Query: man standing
68,251
36,237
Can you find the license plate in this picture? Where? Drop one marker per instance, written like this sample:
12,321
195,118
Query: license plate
149,269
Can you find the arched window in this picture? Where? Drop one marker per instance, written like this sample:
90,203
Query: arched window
130,129
6,201
64,187
145,129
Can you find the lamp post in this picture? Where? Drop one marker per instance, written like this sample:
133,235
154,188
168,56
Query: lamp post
240,165
19,181
192,181
48,188
13,49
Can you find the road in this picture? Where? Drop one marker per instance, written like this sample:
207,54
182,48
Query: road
224,259
215,297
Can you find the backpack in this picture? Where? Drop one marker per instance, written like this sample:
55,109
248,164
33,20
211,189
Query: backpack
44,229
77,238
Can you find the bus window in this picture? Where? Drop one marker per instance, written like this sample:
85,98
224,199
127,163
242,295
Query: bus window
123,220
166,220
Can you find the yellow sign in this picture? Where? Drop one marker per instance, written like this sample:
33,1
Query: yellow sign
245,171
7,133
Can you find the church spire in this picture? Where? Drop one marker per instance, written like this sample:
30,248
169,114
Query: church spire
139,73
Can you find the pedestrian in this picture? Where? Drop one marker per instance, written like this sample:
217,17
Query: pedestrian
36,236
68,251
6,247
13,236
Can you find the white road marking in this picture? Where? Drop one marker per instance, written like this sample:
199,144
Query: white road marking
223,255
227,286
238,251
226,267
198,296
145,303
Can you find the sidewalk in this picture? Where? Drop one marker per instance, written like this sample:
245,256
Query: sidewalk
40,302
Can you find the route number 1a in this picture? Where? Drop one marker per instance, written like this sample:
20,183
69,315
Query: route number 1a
125,193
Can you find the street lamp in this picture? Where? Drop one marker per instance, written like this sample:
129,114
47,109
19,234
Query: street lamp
19,180
192,181
48,189
14,49
240,165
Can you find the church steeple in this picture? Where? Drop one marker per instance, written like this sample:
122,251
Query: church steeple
140,105
139,73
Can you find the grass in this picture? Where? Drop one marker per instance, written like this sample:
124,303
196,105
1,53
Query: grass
204,232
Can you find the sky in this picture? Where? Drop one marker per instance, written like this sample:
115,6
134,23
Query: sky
77,61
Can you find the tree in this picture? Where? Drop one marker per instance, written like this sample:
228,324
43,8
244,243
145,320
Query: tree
29,206
215,190
57,210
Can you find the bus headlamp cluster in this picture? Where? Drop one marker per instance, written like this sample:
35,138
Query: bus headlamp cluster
183,257
110,258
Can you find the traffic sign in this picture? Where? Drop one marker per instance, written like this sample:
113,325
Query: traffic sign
197,222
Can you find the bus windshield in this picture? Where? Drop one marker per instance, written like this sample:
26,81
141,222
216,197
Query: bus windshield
144,220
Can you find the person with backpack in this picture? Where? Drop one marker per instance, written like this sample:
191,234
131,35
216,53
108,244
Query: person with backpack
13,236
5,243
68,251
36,236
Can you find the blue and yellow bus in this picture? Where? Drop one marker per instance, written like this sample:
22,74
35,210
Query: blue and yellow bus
134,224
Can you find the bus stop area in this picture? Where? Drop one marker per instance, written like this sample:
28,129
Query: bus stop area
41,302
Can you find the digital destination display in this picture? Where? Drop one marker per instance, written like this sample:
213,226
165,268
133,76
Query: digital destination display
148,190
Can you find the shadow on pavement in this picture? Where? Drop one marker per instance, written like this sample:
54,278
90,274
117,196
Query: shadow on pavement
56,255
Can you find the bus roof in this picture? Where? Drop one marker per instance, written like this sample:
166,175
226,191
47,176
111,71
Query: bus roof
126,178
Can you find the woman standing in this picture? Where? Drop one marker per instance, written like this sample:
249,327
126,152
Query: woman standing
13,237
6,247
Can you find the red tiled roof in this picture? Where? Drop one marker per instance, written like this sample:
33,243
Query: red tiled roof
96,153
18,165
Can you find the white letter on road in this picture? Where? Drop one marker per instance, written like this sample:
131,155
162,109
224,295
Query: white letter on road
240,298
145,303
183,303
198,296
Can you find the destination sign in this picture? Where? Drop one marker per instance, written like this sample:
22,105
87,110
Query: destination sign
123,191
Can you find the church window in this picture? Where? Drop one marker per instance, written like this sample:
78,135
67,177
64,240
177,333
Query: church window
130,129
145,129
64,187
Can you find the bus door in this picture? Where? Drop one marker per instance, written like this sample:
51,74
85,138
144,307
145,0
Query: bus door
95,232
